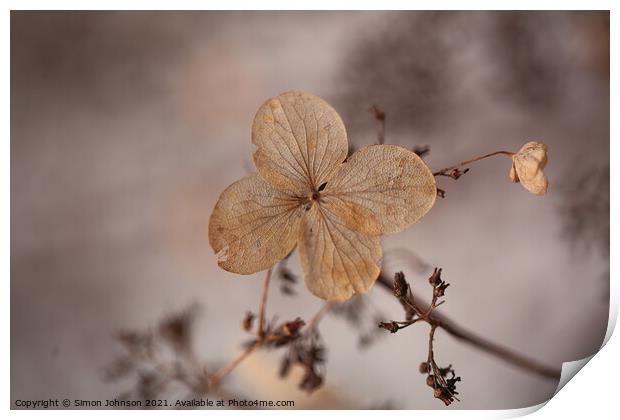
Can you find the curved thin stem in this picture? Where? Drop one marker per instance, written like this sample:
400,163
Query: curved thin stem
431,337
216,377
318,316
263,306
446,171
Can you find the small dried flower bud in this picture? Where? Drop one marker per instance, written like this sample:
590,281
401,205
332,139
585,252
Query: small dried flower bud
423,367
457,173
430,381
438,392
400,285
293,327
435,278
440,290
247,322
390,326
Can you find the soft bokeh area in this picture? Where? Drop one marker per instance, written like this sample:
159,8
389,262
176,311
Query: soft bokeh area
126,126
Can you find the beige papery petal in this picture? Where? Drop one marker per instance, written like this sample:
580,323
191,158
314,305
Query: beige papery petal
381,189
528,165
300,139
337,261
253,225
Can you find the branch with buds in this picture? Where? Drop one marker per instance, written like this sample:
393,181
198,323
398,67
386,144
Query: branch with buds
442,380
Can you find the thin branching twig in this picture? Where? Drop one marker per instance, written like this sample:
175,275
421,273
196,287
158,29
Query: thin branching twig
487,346
442,380
455,172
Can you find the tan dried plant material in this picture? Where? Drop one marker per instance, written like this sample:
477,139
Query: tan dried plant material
527,167
305,193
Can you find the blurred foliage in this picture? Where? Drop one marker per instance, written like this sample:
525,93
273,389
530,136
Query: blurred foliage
585,209
418,65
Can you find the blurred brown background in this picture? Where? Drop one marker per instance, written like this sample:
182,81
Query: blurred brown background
126,126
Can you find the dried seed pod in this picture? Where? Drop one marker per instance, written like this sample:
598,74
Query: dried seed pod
400,285
430,381
435,278
423,367
293,327
527,167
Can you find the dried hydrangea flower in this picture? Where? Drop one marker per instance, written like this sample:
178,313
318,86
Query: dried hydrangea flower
527,167
305,193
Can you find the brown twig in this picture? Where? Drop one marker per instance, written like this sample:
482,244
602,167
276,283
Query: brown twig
442,380
260,332
453,172
215,378
487,346
431,337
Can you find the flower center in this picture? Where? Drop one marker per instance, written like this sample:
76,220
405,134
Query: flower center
311,198
314,195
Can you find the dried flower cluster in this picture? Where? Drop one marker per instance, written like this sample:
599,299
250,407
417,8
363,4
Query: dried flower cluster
163,358
309,353
442,380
